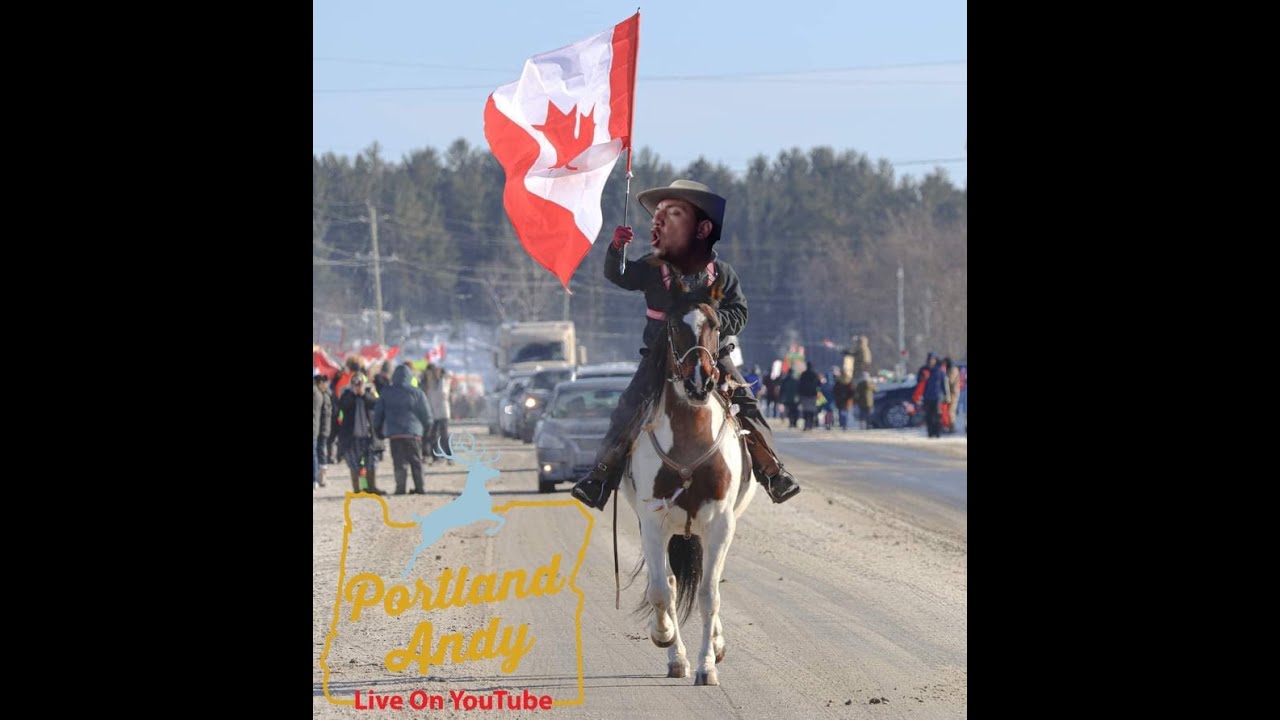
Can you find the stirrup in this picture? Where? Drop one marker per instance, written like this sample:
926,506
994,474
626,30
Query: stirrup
582,495
778,495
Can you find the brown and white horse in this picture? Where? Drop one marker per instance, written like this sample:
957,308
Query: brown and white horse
688,481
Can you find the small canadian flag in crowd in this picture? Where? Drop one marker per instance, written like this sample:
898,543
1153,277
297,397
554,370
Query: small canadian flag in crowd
436,354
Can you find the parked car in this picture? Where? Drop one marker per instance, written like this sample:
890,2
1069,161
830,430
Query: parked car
532,401
572,428
893,408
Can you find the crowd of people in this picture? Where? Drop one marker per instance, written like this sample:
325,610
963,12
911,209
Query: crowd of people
355,417
940,386
846,396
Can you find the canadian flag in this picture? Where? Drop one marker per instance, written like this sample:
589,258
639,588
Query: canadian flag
557,132
436,354
379,353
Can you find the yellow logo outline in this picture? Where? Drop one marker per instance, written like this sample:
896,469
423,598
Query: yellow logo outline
386,519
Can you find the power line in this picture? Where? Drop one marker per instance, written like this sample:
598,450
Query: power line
707,78
392,63
435,88
855,68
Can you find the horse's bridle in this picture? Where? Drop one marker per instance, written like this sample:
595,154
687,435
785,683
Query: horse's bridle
678,362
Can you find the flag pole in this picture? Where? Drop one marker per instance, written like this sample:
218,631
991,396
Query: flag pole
631,116
622,264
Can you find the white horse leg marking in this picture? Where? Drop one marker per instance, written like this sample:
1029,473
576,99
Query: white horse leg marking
716,541
658,592
677,661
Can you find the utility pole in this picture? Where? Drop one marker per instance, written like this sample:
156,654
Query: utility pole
377,268
928,302
902,327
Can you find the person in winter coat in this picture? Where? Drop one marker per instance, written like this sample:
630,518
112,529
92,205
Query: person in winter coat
842,394
769,395
789,396
383,378
438,385
317,407
931,387
325,426
808,392
403,416
357,441
953,393
865,395
861,356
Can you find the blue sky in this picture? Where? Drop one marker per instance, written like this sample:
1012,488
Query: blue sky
416,74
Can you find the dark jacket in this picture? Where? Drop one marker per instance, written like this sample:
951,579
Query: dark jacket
317,409
380,383
843,393
646,274
931,384
326,412
808,383
347,407
789,388
402,410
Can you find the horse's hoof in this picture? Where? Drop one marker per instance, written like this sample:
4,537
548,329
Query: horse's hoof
661,644
706,678
720,656
677,670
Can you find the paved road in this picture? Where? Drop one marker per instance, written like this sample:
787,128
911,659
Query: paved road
854,590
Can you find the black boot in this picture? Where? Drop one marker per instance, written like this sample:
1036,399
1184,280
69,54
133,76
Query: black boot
594,488
780,486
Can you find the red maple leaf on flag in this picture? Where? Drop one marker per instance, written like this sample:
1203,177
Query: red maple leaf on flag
559,131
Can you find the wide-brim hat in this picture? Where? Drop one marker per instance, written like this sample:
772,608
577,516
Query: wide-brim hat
699,195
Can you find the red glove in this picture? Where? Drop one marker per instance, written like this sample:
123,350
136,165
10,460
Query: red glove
621,236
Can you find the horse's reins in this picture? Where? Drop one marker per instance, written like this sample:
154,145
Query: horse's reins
686,471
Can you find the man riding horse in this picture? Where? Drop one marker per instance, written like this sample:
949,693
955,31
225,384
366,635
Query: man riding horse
687,220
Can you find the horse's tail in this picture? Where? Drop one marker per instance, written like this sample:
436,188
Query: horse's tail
685,557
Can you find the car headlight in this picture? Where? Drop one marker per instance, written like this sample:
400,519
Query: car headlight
530,402
550,441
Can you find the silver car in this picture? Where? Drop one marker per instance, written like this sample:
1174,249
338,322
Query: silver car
499,403
572,428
